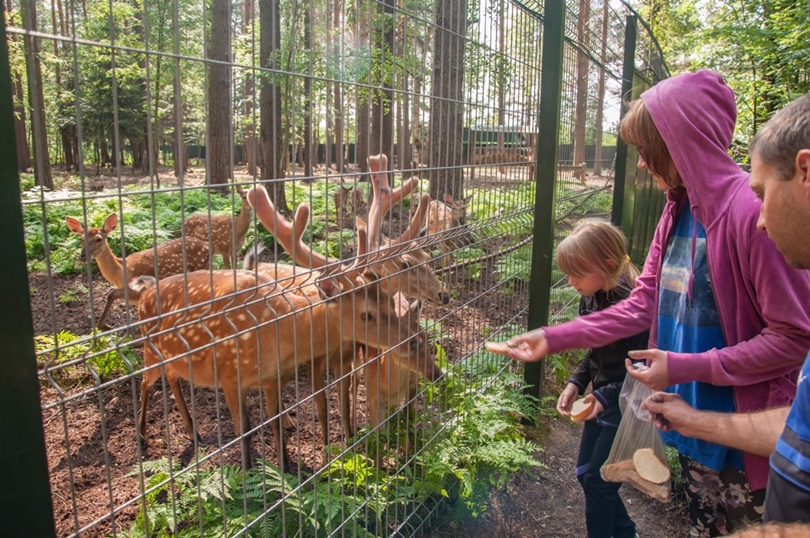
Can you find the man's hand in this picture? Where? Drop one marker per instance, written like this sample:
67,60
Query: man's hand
672,413
528,347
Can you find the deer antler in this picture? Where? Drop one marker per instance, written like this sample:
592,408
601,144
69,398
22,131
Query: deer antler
384,197
289,234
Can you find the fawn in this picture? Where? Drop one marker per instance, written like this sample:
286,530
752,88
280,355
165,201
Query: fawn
242,330
170,259
444,222
226,233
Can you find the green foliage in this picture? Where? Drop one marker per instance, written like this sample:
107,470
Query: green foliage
145,218
85,357
484,445
221,501
459,460
74,294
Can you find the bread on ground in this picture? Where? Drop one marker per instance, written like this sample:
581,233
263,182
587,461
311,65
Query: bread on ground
580,409
649,467
497,347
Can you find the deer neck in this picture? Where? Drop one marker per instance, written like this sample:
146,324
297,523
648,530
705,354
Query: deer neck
243,220
111,267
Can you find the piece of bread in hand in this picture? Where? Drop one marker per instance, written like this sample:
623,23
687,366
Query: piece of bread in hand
650,467
497,347
580,409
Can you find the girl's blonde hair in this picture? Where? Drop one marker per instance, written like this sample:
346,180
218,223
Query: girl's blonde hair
597,247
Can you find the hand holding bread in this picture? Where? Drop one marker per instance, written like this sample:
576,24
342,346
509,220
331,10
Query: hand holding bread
581,409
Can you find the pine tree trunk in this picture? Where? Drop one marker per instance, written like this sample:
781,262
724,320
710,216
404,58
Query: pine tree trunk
445,146
218,143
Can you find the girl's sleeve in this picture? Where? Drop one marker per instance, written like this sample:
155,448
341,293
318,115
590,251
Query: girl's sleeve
582,376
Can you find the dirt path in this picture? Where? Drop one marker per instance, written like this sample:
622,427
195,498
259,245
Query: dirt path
549,503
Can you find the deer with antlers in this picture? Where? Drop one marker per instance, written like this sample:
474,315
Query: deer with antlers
225,233
242,330
395,273
173,257
400,265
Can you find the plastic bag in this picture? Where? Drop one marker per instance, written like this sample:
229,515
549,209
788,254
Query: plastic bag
637,456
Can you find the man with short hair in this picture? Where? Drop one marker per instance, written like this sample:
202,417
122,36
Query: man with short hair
780,177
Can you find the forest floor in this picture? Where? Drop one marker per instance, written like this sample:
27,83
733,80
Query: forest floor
548,502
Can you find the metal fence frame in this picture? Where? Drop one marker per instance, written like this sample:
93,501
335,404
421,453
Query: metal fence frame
26,497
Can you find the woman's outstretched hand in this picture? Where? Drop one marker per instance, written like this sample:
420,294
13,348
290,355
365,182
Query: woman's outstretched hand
528,347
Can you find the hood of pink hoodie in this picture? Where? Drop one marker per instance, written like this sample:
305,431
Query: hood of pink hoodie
695,114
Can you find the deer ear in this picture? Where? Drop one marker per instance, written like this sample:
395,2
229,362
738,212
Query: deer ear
110,223
401,305
74,225
328,290
370,275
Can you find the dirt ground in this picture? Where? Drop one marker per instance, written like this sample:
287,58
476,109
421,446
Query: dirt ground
92,446
548,502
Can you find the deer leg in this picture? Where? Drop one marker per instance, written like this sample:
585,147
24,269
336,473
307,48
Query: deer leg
113,296
237,404
226,259
345,406
188,423
271,396
318,389
149,377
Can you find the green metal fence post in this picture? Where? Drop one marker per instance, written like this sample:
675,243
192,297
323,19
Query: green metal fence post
547,153
25,495
620,191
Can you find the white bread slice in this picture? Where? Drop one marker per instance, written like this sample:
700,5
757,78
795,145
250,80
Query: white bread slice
581,409
649,467
625,471
617,472
497,347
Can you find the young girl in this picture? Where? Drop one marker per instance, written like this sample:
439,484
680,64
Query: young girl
595,259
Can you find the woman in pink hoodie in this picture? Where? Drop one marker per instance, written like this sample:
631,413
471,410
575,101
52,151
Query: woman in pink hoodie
729,319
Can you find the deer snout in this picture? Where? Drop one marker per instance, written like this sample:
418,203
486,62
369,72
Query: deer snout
83,256
444,297
432,371
413,345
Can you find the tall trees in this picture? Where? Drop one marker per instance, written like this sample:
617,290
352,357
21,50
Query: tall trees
581,103
382,58
219,142
36,99
270,104
447,106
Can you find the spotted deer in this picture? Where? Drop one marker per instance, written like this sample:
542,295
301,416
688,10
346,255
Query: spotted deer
242,330
444,226
225,233
402,266
397,273
173,257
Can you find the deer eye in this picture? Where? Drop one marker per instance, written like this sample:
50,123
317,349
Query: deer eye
406,264
367,316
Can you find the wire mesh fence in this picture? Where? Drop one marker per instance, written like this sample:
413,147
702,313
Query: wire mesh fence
266,242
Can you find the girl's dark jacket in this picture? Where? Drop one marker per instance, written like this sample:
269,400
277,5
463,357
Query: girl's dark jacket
604,366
